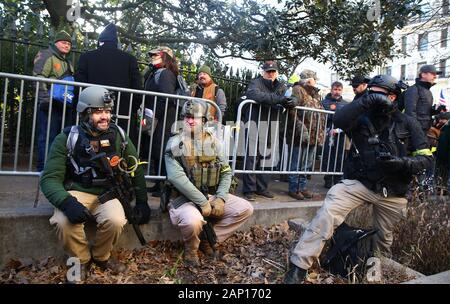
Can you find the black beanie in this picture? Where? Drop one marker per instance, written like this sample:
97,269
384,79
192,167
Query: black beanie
109,34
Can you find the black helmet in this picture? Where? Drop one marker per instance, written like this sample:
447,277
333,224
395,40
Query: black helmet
95,97
386,82
196,108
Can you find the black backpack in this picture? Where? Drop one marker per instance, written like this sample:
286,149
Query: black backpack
349,251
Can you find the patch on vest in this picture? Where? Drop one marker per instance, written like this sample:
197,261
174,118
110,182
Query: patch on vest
95,146
105,143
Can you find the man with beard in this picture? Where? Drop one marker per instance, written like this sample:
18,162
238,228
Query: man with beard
207,89
201,176
73,183
388,148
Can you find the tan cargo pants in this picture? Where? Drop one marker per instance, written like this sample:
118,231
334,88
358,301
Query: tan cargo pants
190,221
339,201
110,219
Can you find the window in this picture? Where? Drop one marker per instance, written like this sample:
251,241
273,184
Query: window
442,68
444,34
423,42
419,64
404,44
425,13
388,70
403,72
444,7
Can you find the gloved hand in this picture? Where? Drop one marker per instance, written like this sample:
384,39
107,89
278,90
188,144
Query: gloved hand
218,207
75,211
290,102
438,109
375,100
141,213
392,163
206,209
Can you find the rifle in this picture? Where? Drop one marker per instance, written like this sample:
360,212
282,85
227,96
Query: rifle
208,232
119,187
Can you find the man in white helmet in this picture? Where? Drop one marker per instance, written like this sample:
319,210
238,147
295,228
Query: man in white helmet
75,184
201,177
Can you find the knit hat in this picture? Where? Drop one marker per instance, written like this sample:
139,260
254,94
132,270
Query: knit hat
63,36
205,69
109,34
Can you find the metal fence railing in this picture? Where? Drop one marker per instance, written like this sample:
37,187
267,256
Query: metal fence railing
263,140
273,140
18,140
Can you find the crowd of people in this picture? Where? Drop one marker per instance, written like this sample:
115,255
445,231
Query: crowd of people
387,147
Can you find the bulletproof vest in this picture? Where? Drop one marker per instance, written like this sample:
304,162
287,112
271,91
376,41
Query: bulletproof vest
363,160
81,168
201,163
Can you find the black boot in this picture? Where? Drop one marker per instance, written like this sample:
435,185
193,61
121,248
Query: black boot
295,275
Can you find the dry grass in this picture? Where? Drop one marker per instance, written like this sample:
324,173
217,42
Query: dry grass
422,240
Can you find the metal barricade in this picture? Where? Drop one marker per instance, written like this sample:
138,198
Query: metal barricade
20,101
267,141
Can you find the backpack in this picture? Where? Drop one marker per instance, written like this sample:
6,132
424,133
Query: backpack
349,251
181,89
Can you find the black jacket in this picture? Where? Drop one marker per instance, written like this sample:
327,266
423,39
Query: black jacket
108,65
331,104
418,103
269,94
399,135
166,83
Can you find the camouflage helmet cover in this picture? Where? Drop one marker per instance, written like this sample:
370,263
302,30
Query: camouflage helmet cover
196,108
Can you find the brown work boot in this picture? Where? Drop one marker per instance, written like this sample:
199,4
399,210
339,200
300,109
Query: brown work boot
112,264
207,250
191,255
307,193
297,195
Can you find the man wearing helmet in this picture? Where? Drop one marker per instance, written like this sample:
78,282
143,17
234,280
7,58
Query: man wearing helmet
388,148
72,182
201,176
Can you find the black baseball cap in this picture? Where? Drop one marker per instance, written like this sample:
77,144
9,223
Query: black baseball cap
270,66
359,79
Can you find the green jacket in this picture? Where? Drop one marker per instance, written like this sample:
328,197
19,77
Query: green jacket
50,63
53,176
178,178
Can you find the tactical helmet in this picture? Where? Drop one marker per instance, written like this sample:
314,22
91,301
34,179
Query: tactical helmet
95,97
386,82
196,108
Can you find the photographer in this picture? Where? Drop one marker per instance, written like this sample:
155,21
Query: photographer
388,148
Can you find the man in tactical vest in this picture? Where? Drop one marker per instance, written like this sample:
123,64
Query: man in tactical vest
201,177
73,182
388,148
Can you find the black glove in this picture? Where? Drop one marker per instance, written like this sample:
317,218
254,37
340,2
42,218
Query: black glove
75,211
392,163
141,213
290,102
437,109
375,100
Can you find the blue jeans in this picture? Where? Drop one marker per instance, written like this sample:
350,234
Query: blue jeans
55,129
298,182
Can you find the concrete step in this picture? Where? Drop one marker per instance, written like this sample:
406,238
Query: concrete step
27,234
439,278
